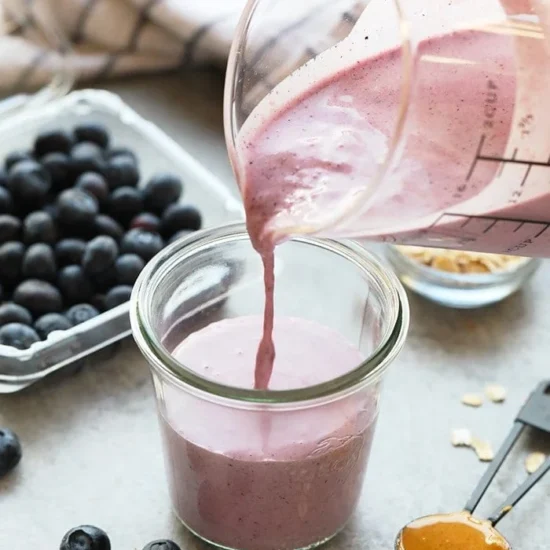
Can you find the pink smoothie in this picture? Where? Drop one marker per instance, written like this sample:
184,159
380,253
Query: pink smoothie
267,479
473,162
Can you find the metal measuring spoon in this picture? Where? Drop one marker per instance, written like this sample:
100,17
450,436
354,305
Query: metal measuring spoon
461,530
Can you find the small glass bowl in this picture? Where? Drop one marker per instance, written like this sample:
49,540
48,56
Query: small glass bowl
460,290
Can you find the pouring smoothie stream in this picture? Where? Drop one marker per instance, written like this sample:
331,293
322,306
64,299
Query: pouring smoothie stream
441,140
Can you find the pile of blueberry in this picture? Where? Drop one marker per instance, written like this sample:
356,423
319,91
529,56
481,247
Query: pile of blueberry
76,230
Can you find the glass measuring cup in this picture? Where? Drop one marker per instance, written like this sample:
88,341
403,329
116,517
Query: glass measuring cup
461,530
412,122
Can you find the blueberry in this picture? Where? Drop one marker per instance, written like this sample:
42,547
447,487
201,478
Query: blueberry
118,295
15,157
125,203
6,202
29,183
18,336
13,313
161,191
128,267
77,208
86,537
10,451
52,141
142,243
147,221
93,132
69,251
39,227
105,280
10,227
11,259
50,323
95,184
122,152
121,171
105,225
177,217
3,178
39,263
81,313
163,544
38,297
74,284
86,157
58,166
100,254
98,301
180,235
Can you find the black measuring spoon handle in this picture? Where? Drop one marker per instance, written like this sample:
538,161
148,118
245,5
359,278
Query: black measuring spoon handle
519,493
491,472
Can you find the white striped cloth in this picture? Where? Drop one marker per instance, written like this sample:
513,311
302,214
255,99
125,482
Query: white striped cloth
102,38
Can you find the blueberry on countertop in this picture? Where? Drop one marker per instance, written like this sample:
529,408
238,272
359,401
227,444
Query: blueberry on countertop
125,203
14,313
163,544
142,243
10,227
104,280
147,221
162,190
10,451
39,262
80,313
128,267
100,254
58,166
95,184
52,141
85,537
39,297
29,183
15,157
18,336
92,132
77,208
74,284
50,322
118,295
121,171
69,251
39,227
86,157
11,259
105,225
6,202
179,216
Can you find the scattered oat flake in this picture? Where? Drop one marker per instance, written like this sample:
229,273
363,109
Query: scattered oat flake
496,393
483,450
461,437
534,461
472,400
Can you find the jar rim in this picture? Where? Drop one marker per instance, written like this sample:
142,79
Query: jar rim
368,372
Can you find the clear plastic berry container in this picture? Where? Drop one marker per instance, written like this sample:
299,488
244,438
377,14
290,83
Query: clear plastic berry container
156,152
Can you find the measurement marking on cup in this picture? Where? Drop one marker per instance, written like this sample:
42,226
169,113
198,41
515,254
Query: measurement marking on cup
503,161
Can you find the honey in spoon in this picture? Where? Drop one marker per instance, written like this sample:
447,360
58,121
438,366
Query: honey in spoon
456,531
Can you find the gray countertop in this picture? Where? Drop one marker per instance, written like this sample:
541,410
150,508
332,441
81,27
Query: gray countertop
92,450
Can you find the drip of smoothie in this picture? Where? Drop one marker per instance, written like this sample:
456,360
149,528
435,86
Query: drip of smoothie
231,488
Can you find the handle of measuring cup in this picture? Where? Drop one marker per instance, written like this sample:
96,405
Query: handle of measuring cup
489,475
519,493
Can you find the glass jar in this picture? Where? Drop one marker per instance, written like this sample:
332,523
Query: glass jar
254,469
